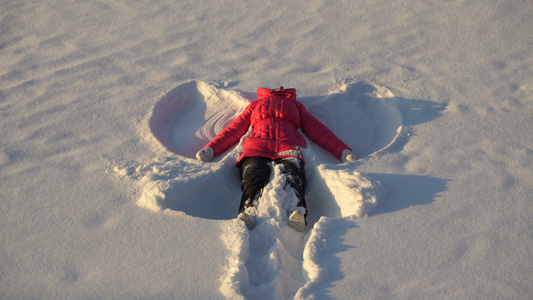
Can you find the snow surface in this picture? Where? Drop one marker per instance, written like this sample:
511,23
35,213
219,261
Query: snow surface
104,103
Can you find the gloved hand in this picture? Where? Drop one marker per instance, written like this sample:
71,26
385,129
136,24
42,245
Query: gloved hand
347,155
205,154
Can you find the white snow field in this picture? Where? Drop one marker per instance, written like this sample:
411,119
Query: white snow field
104,104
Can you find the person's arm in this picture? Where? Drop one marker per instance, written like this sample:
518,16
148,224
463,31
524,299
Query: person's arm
227,137
323,136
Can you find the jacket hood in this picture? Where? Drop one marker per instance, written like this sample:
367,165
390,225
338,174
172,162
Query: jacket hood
264,93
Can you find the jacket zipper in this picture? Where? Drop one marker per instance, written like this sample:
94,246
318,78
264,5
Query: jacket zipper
274,144
273,109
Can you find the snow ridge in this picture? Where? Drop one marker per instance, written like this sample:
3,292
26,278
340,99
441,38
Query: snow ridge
275,262
273,251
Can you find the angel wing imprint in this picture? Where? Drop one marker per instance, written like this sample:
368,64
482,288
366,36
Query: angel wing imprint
189,116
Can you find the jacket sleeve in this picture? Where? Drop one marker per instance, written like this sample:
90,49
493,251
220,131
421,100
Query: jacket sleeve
320,133
232,134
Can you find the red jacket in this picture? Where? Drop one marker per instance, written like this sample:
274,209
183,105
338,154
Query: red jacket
275,119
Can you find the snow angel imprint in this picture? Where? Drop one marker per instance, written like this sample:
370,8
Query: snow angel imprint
276,118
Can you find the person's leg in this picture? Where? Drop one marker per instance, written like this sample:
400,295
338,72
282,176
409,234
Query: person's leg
255,174
294,170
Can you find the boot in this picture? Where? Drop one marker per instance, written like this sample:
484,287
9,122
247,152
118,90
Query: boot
297,221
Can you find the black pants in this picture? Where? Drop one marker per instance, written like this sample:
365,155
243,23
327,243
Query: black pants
255,174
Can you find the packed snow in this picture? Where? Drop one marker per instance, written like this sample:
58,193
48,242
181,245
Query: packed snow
105,103
272,253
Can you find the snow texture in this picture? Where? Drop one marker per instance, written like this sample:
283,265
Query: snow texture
274,267
103,105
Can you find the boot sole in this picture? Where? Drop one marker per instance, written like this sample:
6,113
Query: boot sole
250,224
297,221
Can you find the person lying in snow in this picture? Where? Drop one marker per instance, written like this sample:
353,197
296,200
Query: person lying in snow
275,117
